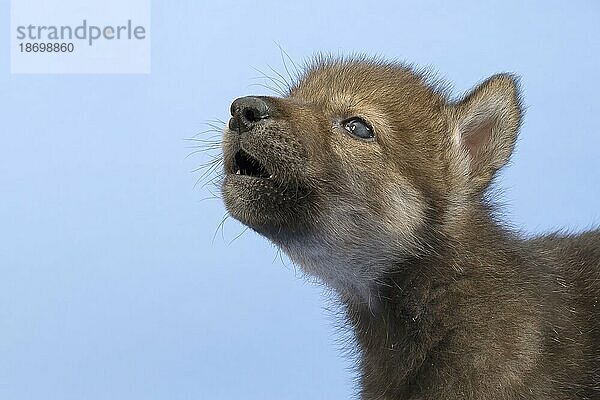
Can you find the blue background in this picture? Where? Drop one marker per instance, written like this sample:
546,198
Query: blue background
111,286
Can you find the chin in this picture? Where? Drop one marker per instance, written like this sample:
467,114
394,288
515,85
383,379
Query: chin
273,209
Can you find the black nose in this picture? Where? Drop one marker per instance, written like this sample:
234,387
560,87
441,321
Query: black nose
246,112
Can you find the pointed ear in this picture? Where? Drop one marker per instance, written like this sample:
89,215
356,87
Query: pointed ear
484,127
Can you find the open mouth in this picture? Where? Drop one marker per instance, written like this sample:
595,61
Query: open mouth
245,164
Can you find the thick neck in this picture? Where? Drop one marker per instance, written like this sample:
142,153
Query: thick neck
405,320
416,307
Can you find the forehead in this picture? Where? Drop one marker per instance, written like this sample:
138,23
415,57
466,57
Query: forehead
351,83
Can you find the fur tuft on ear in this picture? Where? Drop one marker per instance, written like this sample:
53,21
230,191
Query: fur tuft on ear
484,128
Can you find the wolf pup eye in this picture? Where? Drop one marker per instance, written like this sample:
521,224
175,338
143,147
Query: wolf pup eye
358,128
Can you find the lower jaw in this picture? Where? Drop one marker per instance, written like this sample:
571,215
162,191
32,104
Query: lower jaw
273,223
266,206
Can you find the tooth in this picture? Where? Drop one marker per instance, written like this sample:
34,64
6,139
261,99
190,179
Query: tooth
238,172
271,176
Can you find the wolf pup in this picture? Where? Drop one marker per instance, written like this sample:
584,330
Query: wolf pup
372,180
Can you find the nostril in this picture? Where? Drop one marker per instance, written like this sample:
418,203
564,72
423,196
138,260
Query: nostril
253,115
250,115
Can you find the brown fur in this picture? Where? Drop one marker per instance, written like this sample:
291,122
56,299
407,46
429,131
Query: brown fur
444,301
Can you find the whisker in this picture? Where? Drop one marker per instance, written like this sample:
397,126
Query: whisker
280,90
283,79
208,164
221,227
238,236
210,141
212,181
217,128
200,150
202,200
216,133
278,82
272,89
217,121
296,68
285,66
206,173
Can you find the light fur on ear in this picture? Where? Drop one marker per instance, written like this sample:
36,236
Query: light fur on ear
484,127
